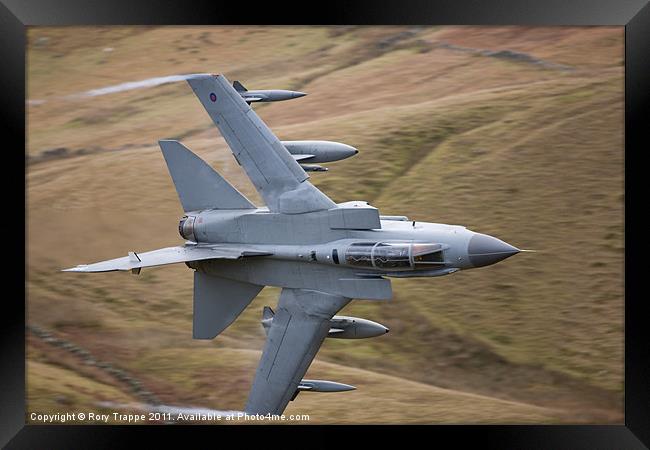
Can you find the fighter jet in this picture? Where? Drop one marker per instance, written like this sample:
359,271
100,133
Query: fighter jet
272,95
322,254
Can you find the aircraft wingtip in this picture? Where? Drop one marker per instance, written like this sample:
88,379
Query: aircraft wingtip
80,268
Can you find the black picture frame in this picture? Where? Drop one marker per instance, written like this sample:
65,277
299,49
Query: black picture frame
16,15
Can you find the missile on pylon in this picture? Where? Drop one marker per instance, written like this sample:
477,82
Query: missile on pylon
268,95
342,327
319,151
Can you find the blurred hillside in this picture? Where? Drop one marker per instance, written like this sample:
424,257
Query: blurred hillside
512,131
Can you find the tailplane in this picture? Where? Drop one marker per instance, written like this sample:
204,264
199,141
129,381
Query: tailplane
218,302
198,185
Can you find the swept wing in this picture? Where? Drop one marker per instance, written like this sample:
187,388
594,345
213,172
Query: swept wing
170,255
276,175
299,327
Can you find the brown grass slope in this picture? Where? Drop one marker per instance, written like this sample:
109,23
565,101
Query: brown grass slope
527,151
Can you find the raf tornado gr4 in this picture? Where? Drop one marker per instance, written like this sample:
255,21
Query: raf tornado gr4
322,254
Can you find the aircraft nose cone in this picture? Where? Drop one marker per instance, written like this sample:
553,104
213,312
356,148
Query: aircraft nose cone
484,250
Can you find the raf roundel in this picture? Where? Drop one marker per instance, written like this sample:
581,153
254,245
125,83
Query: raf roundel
213,96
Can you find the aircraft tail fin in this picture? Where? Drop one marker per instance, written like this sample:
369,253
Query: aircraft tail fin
198,185
218,302
238,86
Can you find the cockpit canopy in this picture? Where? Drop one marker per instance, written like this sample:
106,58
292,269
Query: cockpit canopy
394,255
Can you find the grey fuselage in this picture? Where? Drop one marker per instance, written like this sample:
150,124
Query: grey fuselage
305,247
